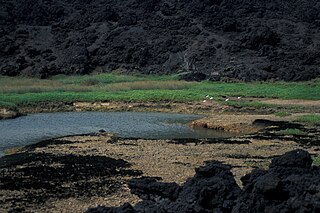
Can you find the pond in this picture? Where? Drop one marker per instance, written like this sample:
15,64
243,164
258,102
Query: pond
37,127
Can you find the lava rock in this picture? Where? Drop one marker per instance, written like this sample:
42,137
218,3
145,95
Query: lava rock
125,208
295,159
150,189
238,39
46,176
290,184
193,76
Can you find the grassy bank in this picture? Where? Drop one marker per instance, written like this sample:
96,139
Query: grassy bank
20,91
312,119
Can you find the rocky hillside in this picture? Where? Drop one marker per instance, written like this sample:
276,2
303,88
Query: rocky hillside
223,39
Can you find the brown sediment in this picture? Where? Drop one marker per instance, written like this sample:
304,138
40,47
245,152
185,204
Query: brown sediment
239,123
86,157
207,107
73,173
146,106
295,102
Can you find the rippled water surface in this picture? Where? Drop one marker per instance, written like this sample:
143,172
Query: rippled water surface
34,128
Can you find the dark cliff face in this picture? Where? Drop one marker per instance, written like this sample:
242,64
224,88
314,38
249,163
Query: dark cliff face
242,39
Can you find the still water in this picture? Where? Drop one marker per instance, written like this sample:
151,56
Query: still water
37,127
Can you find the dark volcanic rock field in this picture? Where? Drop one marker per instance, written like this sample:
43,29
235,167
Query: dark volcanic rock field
290,184
223,39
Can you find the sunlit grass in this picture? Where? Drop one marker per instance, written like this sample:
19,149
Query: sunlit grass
88,83
7,104
102,87
285,90
311,119
23,85
282,114
108,78
146,85
128,95
291,132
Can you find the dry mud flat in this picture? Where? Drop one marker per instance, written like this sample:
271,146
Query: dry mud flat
72,174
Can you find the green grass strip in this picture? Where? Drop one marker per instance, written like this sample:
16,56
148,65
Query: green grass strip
291,132
117,87
310,119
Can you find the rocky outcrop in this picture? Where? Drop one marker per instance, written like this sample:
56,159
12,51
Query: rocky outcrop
217,40
291,184
6,113
30,179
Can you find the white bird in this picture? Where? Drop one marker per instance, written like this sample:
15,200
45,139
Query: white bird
211,98
227,99
207,96
204,101
239,98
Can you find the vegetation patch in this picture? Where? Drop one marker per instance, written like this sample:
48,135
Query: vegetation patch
291,132
285,90
316,160
313,119
22,91
7,104
282,114
260,163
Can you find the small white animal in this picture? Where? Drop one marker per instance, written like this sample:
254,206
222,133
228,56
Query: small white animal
239,98
227,99
211,98
204,101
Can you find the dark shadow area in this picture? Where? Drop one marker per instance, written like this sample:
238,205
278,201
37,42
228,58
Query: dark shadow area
36,177
55,141
276,124
277,130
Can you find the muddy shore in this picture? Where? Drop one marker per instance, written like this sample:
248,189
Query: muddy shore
196,107
74,173
163,106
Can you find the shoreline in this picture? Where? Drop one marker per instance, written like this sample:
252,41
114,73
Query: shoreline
207,107
83,157
216,116
151,106
75,163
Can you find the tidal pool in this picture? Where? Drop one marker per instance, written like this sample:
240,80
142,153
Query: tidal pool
37,127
